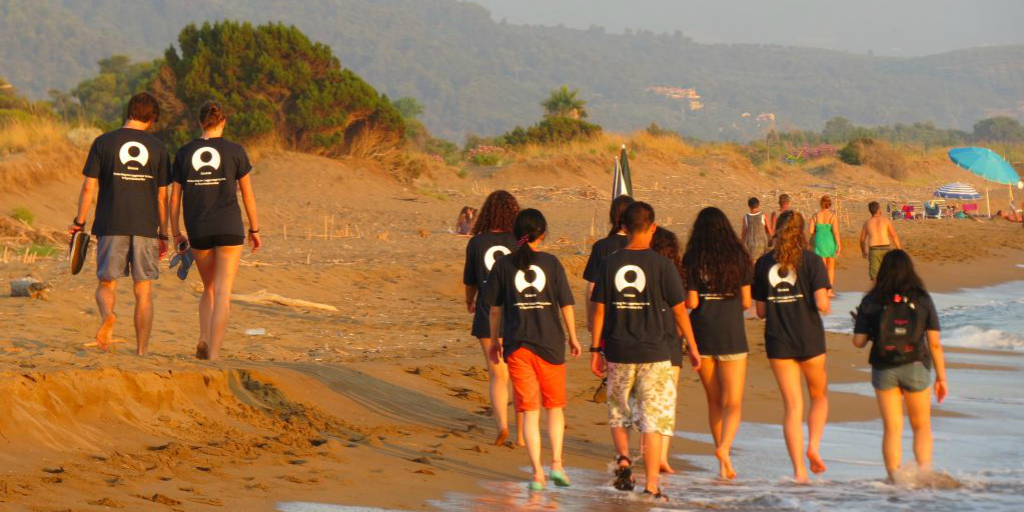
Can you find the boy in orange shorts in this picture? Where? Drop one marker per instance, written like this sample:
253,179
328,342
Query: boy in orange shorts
526,290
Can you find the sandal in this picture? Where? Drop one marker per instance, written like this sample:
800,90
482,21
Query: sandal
624,474
657,496
536,486
559,478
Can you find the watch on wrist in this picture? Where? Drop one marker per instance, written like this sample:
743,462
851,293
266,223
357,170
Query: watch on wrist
254,231
79,224
163,237
599,350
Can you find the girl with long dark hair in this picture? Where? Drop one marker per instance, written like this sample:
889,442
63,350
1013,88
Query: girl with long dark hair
530,298
208,172
615,240
718,276
899,318
791,292
492,239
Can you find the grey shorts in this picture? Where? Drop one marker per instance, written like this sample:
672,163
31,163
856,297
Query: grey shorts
910,377
119,256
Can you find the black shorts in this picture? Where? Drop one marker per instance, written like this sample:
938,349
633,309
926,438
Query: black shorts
481,321
206,243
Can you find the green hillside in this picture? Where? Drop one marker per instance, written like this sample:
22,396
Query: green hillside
475,75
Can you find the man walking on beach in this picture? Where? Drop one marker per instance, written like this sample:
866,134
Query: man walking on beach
131,169
877,237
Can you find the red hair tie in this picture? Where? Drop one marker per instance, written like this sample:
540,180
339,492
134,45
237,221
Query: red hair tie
525,239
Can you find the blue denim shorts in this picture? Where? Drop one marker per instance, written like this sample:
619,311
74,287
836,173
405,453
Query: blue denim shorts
910,377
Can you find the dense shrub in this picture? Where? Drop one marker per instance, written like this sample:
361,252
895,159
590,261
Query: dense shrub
877,154
272,81
551,131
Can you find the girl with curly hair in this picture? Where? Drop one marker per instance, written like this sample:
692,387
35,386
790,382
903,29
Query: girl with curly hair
492,239
718,275
791,290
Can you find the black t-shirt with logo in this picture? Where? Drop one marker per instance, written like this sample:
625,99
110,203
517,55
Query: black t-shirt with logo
869,316
531,303
636,287
793,326
601,249
131,167
482,252
208,171
718,320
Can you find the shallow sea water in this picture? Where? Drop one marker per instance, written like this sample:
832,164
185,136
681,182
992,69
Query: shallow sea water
980,457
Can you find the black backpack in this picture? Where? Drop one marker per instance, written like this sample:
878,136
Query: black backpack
901,328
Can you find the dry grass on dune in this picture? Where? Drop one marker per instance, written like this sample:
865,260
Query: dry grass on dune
22,135
40,150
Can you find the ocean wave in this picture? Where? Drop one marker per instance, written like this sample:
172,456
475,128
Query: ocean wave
972,336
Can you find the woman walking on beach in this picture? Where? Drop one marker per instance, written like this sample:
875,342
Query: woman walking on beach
718,275
492,239
615,240
791,293
666,243
825,233
530,297
899,317
208,172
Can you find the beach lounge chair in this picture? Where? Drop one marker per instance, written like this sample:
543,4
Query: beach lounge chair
908,211
894,211
932,211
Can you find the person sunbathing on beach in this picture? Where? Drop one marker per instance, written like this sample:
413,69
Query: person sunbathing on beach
1010,215
492,239
529,296
791,293
131,169
634,287
877,237
899,318
209,172
718,277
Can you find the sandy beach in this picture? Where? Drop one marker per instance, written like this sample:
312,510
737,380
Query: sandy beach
383,402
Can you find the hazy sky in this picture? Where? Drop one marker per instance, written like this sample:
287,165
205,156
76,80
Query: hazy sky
888,27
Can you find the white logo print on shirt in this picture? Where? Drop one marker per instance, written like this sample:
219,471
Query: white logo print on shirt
639,282
493,254
206,157
783,294
538,283
140,156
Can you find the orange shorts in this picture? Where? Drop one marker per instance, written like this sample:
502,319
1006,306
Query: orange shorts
534,378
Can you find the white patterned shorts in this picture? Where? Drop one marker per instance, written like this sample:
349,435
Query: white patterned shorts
650,389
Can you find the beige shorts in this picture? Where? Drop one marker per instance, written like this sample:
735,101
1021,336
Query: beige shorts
642,396
726,357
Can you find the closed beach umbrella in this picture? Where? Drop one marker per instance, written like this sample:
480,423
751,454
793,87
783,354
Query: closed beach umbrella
987,164
622,182
957,191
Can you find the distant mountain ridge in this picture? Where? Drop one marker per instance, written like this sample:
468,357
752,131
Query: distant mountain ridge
476,75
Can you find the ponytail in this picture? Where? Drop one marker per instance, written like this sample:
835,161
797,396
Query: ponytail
619,205
529,226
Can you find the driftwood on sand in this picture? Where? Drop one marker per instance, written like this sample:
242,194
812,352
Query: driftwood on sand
29,286
266,298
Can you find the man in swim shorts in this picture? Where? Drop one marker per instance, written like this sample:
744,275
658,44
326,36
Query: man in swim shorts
877,237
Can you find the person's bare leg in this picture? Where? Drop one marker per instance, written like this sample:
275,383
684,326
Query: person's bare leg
227,258
890,404
620,438
817,387
919,409
712,390
787,375
830,265
531,430
556,435
731,377
499,392
106,297
206,264
666,443
143,315
652,459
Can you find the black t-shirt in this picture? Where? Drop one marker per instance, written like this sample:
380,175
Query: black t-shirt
793,327
636,287
869,315
131,167
482,251
531,304
718,320
208,171
601,249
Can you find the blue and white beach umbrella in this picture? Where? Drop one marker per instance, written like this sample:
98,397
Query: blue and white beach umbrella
957,191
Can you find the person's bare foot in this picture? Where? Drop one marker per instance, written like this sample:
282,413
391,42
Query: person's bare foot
520,442
817,464
502,437
725,470
800,478
105,334
201,351
666,468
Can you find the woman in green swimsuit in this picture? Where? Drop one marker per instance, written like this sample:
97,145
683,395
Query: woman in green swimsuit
825,233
